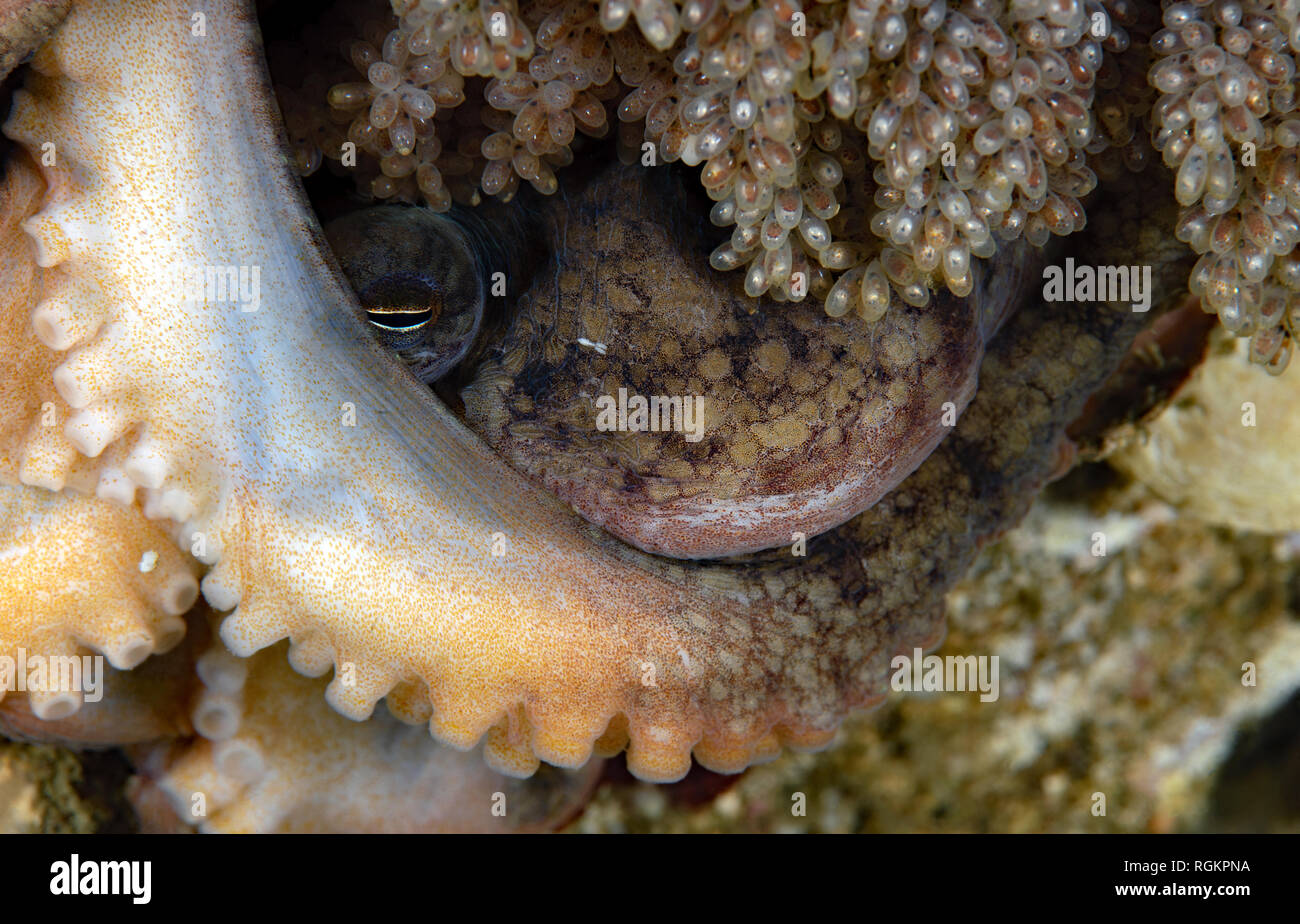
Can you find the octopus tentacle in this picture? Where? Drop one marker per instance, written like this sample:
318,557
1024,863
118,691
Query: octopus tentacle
77,573
372,544
344,508
271,756
33,446
82,573
146,704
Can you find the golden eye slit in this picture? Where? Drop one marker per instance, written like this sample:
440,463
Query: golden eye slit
402,302
418,282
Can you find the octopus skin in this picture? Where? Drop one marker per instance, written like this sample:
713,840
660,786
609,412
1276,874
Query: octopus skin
812,424
269,756
336,503
307,522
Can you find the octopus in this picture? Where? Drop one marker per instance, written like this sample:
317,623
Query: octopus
301,380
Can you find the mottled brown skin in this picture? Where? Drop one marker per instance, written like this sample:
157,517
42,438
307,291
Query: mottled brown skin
1036,379
808,419
918,540
811,638
875,585
823,628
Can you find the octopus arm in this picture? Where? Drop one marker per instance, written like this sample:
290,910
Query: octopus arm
80,574
270,756
344,508
341,505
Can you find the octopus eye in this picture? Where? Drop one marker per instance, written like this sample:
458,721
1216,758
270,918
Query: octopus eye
402,304
418,282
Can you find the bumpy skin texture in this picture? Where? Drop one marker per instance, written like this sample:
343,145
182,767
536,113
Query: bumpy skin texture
146,704
370,547
71,581
803,420
1033,383
277,759
25,399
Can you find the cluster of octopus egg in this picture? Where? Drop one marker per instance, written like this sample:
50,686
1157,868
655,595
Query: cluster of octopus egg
854,147
446,101
1227,122
857,149
1123,96
975,115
